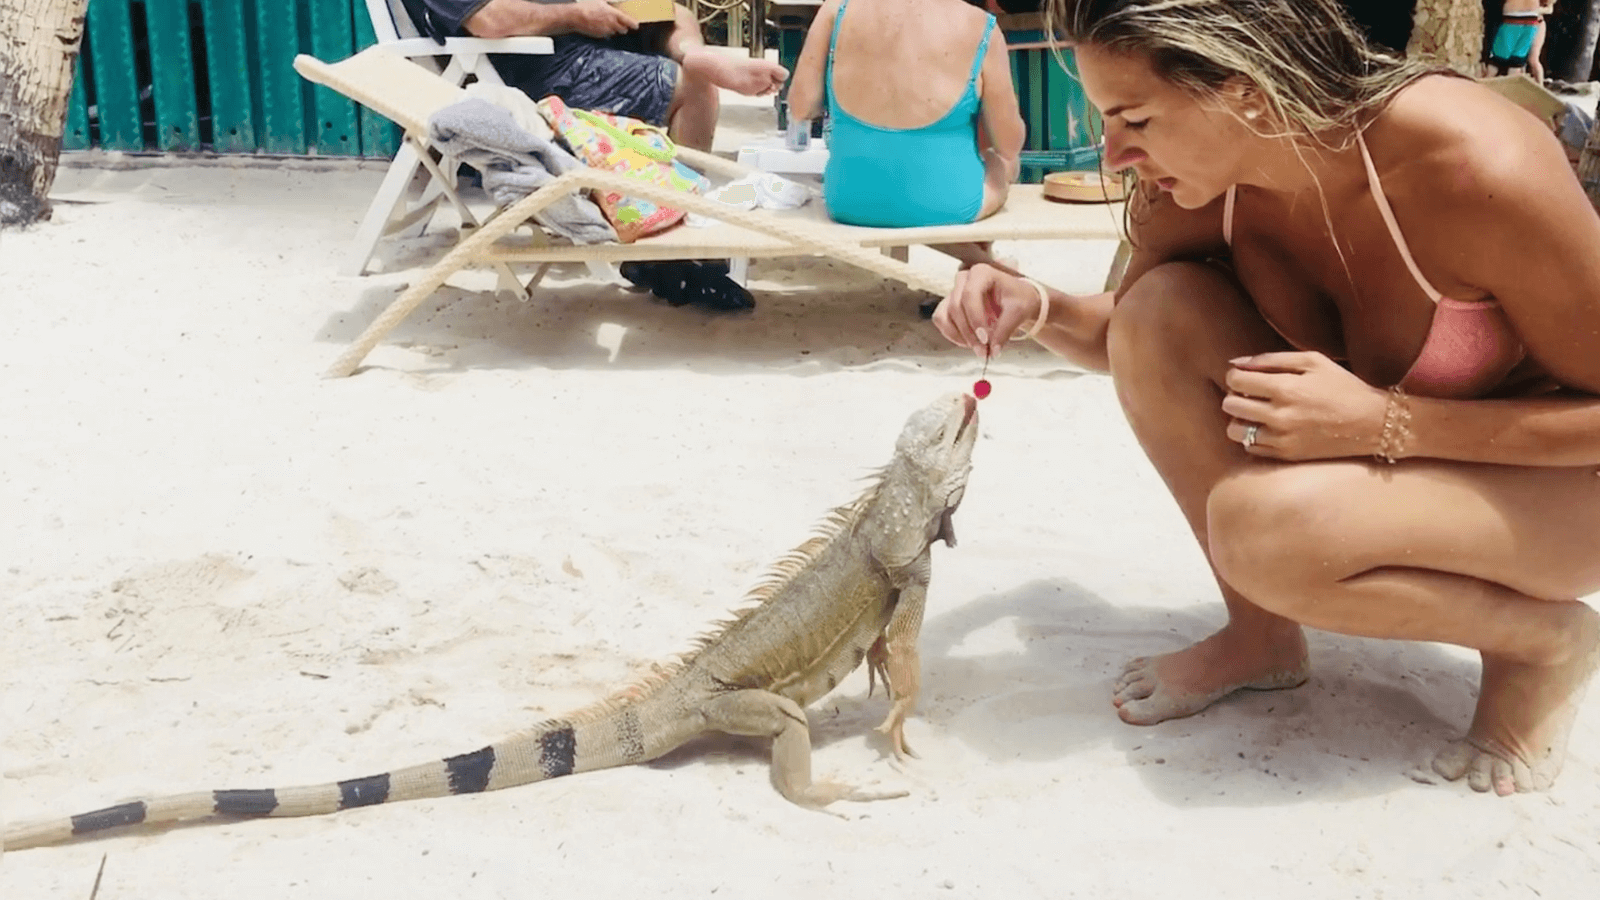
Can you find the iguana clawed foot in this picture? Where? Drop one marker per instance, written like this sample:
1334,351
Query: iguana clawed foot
822,793
879,661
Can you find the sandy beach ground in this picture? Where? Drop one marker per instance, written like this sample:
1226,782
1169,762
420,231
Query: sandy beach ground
221,570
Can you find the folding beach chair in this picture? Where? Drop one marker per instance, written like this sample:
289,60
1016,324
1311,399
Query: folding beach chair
409,95
455,60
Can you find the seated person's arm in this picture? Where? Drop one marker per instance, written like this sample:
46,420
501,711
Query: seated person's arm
1003,130
805,86
512,18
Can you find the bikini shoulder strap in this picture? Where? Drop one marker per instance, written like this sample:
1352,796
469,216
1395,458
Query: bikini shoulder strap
1227,215
1394,227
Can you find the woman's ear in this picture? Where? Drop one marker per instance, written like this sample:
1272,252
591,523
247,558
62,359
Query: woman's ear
1245,98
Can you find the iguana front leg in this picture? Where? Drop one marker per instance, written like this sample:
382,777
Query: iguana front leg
763,714
893,656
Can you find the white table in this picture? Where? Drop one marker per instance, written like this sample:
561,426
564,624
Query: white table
770,154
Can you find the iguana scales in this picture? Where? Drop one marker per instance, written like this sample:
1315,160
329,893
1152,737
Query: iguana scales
853,592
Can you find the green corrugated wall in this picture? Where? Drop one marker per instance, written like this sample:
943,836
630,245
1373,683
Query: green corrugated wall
217,75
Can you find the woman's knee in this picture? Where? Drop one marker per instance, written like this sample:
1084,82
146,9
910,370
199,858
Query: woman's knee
1167,310
1276,532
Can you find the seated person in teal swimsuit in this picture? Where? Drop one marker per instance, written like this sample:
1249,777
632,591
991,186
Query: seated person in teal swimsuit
924,126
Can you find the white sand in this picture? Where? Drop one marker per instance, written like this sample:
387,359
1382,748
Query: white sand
221,570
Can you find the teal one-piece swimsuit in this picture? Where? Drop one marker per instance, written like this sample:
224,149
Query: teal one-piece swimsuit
904,177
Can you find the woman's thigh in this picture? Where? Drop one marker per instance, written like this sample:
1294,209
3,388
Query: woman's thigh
1534,530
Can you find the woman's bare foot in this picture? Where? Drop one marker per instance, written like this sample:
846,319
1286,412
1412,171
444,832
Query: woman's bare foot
751,77
1518,738
1174,685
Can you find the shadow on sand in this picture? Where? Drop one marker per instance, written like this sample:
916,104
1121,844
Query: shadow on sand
585,325
1371,711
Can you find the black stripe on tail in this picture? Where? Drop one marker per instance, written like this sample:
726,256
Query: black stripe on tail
110,817
244,803
368,791
557,751
469,772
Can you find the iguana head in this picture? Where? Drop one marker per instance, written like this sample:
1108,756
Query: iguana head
924,483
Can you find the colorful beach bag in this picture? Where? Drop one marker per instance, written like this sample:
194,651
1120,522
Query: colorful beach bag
630,147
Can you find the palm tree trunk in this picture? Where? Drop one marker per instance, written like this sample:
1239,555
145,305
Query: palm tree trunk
1448,32
39,42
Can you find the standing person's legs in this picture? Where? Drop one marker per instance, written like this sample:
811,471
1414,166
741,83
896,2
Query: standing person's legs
1536,53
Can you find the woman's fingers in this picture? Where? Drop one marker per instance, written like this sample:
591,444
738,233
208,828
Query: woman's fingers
1252,436
1250,409
962,317
984,308
1279,361
1254,382
951,317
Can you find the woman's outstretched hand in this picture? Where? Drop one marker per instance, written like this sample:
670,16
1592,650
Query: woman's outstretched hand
1304,406
984,308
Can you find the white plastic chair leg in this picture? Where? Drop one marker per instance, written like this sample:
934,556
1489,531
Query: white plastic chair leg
395,184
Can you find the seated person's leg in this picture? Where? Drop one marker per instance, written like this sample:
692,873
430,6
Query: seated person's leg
738,73
662,73
599,76
702,71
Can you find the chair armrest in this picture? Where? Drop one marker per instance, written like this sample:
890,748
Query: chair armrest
712,164
428,47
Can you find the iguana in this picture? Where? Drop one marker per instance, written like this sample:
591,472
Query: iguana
853,592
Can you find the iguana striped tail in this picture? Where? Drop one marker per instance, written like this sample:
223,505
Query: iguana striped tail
607,735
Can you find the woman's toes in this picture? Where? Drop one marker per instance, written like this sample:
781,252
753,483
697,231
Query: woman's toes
1453,761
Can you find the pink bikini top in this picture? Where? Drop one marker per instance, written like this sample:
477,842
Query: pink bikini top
1470,347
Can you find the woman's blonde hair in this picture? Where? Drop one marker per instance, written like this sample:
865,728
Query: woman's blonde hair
1315,70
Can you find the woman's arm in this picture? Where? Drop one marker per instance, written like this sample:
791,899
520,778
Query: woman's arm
1003,130
1538,431
989,303
805,97
997,300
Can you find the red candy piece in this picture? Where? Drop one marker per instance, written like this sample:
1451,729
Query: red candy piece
981,388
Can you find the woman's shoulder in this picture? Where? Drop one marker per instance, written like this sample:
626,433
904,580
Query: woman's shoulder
1448,140
960,14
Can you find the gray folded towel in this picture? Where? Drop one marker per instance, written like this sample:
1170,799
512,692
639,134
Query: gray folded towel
515,163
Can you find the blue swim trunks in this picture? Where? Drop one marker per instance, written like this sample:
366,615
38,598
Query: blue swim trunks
604,75
1514,40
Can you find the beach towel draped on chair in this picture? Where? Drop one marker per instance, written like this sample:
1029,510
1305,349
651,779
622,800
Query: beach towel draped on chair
515,163
629,147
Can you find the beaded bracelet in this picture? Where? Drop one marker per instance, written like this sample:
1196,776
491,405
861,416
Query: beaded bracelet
1396,427
1044,310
